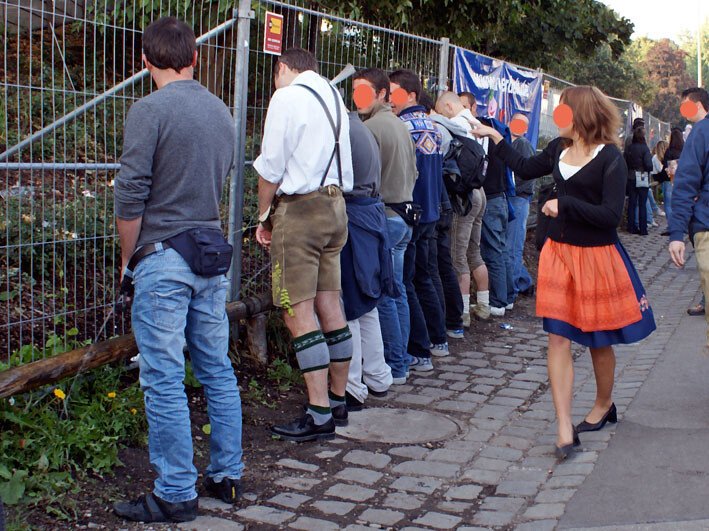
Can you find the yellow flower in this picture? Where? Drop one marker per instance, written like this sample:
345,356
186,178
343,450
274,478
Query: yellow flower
59,394
133,411
112,394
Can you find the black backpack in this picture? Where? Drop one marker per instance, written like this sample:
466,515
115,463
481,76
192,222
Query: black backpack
464,170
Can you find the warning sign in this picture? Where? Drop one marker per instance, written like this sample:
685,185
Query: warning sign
273,34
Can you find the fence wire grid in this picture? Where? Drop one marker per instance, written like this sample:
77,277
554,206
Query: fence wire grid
70,71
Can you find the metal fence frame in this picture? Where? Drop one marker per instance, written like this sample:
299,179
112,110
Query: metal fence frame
342,41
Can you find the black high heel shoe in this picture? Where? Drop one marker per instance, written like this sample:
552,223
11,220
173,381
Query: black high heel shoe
610,416
563,452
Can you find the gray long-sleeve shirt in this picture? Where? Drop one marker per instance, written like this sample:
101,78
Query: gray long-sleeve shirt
178,148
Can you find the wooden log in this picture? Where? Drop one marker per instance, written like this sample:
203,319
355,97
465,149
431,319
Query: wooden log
256,339
43,372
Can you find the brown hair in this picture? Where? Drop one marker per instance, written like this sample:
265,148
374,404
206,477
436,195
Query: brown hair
298,60
169,43
595,118
660,149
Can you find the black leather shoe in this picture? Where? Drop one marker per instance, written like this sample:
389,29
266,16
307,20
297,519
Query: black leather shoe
228,490
352,403
529,292
150,508
377,394
563,452
305,429
696,310
339,415
610,416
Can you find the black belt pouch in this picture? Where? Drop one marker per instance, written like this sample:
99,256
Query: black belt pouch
205,250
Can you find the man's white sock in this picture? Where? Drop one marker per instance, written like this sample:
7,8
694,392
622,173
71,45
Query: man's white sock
484,298
466,303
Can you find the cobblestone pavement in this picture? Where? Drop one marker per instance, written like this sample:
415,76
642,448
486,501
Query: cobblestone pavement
498,471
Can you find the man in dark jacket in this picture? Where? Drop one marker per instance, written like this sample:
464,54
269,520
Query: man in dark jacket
367,269
639,162
690,202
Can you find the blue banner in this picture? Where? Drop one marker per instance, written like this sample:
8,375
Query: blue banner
500,89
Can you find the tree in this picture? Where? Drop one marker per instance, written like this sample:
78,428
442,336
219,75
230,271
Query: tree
534,33
688,43
667,70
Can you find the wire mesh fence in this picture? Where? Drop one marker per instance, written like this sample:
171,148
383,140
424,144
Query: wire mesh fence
70,71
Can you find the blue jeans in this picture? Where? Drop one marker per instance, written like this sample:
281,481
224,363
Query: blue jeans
667,198
492,247
516,236
394,313
172,305
637,209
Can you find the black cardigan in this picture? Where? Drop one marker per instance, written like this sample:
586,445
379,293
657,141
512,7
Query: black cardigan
590,203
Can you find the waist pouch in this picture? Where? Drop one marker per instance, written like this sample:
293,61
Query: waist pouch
409,212
205,250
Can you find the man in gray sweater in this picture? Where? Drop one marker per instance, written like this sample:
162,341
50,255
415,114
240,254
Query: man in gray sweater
177,151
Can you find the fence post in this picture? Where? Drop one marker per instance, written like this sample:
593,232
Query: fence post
244,14
443,65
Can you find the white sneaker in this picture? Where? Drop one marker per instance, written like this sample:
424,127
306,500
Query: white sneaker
440,350
420,364
510,306
399,381
654,224
466,320
662,213
497,312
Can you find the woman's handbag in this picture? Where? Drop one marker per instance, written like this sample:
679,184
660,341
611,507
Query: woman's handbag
642,179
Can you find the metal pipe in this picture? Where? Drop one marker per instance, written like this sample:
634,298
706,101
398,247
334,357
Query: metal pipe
244,14
443,65
60,166
101,97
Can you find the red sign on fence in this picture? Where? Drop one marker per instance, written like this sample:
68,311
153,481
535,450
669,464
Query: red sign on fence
273,34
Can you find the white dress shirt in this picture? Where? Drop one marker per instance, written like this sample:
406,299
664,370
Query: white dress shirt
298,139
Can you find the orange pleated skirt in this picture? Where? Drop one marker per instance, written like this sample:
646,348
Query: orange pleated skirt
587,287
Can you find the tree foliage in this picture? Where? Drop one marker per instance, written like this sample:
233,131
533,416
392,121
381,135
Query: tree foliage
688,43
667,70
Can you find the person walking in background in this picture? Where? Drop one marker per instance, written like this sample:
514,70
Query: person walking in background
178,149
639,162
517,228
428,327
690,202
367,270
588,291
306,231
398,161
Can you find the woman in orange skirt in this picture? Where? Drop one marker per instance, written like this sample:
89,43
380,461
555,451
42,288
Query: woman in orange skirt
588,290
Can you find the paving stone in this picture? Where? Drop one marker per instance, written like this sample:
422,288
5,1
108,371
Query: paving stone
359,475
328,454
451,456
298,465
456,376
350,492
436,392
296,483
411,484
371,459
419,400
507,505
485,463
464,492
438,520
487,424
402,500
494,412
475,398
459,386
449,506
524,384
427,468
539,525
511,442
308,524
211,523
565,481
516,393
507,401
542,463
358,527
500,452
543,511
212,504
525,474
412,452
484,477
429,382
333,507
478,435
455,405
470,528
573,469
518,488
381,516
265,515
555,495
483,389
289,499
493,518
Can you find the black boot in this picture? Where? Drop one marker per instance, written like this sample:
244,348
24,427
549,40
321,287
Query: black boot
150,508
228,490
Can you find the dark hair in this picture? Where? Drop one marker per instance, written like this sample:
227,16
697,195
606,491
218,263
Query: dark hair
697,95
639,135
407,80
169,43
470,97
638,122
426,101
377,77
297,59
676,140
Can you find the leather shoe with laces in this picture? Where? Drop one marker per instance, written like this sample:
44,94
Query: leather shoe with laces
305,429
228,490
150,508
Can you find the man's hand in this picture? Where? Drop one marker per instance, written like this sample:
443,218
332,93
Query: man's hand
677,253
551,208
263,236
480,130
